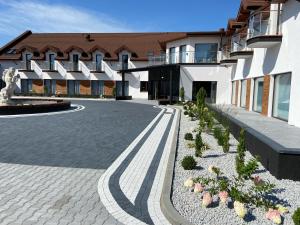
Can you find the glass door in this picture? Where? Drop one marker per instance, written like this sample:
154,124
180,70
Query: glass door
28,61
125,59
258,94
75,62
282,90
243,93
98,62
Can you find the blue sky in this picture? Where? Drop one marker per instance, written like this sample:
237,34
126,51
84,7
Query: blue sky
112,16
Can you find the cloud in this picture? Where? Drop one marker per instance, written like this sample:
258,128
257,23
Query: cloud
18,16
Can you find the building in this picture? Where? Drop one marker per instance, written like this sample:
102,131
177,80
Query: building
252,64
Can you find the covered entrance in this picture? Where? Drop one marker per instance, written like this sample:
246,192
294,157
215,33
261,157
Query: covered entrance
210,88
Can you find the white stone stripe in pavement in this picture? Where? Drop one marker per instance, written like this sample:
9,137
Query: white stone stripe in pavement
103,185
154,198
133,177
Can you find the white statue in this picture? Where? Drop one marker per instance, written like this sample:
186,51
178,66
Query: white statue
10,78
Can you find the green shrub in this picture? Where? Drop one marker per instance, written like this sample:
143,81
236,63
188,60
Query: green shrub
181,94
244,170
201,94
218,134
188,137
191,114
188,163
185,107
296,217
226,137
199,145
185,112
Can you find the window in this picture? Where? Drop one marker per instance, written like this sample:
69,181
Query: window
49,86
98,62
182,54
51,61
26,86
206,53
281,102
125,59
243,93
172,58
119,88
73,87
258,94
28,61
144,86
75,62
97,87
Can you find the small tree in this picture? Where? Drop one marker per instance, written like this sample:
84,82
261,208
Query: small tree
226,137
201,99
199,145
182,94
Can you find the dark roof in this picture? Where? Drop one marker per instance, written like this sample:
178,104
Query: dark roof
140,44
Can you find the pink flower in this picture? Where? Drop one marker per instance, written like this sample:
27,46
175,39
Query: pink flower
223,195
207,199
274,215
257,180
198,188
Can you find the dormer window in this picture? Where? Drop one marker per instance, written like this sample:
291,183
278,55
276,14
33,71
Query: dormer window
51,61
28,57
99,62
75,62
125,59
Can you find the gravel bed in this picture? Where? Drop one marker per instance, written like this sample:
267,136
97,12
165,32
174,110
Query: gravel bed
188,204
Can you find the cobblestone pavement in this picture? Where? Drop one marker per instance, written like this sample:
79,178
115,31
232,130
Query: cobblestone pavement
50,165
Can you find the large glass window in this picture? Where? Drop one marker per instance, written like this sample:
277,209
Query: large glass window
233,92
281,102
119,88
49,87
26,86
172,58
73,87
243,93
97,87
182,54
206,53
258,94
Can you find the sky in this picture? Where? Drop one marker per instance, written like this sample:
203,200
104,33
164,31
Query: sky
16,16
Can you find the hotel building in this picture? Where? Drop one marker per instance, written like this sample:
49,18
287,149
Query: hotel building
252,64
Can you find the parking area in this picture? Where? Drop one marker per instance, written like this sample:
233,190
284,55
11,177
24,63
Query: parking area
50,164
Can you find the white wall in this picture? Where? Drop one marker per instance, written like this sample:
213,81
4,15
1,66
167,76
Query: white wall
221,74
282,58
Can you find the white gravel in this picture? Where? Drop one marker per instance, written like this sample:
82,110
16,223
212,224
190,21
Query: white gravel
188,204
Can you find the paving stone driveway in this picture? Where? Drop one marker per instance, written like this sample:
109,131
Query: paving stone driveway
50,165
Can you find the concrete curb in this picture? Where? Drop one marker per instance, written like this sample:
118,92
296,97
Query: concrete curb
165,200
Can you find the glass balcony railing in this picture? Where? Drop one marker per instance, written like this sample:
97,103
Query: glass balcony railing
184,57
94,66
71,66
239,42
265,23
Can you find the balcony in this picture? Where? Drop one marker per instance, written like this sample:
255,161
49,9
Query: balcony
188,57
94,67
226,60
239,49
25,66
71,66
265,29
47,66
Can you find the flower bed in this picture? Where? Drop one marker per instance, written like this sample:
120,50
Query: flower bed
191,204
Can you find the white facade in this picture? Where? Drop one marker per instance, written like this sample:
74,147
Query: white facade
279,59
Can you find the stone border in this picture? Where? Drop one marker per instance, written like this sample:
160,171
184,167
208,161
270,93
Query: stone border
165,201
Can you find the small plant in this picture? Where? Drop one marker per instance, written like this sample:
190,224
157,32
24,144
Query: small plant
191,114
185,113
201,94
296,217
218,134
188,163
188,137
199,145
182,94
191,145
226,137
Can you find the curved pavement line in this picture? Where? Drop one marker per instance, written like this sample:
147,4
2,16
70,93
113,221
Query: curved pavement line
156,172
78,108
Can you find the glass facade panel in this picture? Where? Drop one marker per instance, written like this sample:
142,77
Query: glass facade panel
26,86
243,93
281,102
97,87
233,92
206,53
172,58
182,54
258,94
119,88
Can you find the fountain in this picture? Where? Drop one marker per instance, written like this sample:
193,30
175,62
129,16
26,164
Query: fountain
11,106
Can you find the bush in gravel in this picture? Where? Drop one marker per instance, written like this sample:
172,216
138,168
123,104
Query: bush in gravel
296,217
201,94
199,145
188,137
218,134
185,113
182,94
188,163
226,138
244,170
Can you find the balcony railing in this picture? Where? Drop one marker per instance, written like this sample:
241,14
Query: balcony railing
46,65
239,42
71,66
265,23
184,57
94,66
